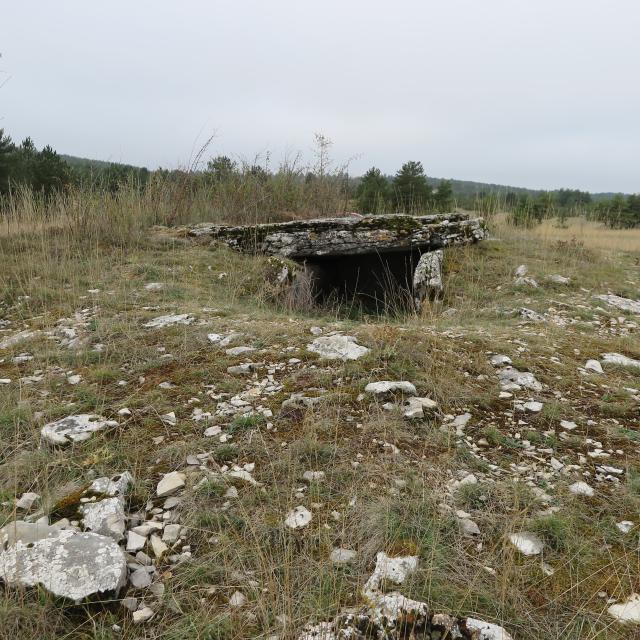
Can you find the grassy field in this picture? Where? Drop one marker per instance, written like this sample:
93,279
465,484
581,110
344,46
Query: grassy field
389,484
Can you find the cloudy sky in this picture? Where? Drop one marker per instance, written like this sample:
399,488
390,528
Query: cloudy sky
537,93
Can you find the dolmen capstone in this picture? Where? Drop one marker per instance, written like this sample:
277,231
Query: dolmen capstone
386,260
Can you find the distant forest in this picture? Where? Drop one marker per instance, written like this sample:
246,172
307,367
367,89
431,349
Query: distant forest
293,187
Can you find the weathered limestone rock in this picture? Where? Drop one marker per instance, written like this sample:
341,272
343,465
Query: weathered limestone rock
298,518
170,483
66,563
618,358
342,556
390,615
513,380
170,320
350,235
105,517
427,278
526,543
628,611
385,387
75,428
626,304
556,278
16,338
27,500
415,407
114,486
582,489
337,348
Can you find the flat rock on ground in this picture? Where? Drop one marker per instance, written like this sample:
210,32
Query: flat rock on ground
337,348
66,563
75,428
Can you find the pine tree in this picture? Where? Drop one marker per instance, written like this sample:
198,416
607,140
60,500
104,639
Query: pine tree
411,191
372,192
7,161
444,196
51,173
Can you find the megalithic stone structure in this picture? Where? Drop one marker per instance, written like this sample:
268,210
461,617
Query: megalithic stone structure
360,255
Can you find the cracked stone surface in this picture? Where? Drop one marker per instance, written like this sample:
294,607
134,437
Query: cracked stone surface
349,235
75,428
66,563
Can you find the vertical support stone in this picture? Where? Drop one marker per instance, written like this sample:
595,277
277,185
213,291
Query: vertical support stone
427,277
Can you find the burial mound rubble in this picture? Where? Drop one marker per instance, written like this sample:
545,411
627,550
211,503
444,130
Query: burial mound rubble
390,615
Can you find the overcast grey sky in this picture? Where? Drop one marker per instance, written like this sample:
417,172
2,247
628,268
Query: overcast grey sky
537,93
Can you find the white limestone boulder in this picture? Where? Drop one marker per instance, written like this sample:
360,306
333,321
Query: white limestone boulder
337,348
65,562
385,387
76,428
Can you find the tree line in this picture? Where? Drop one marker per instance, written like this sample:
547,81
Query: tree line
321,188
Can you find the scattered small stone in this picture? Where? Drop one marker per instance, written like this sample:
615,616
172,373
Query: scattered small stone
170,320
593,365
106,517
625,526
581,489
143,615
298,518
26,501
628,611
527,543
529,282
558,279
533,406
512,380
530,314
171,533
521,271
154,286
313,476
135,541
238,351
169,418
158,547
342,556
170,483
140,578
237,600
468,527
415,407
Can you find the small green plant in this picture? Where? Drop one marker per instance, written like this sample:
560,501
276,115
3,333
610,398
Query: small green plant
244,423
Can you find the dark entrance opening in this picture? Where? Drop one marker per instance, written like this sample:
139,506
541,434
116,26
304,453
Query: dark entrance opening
374,282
